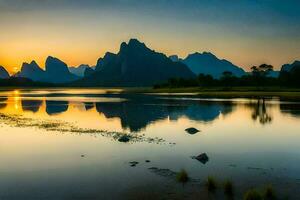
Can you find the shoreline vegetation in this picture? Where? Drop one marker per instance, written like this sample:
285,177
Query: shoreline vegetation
282,93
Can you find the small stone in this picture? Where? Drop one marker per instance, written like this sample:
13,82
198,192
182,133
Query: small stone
147,161
124,138
192,131
203,158
133,162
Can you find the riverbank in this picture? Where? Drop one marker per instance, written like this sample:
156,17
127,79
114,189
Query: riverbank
219,92
292,94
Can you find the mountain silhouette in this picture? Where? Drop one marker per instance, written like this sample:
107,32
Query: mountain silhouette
31,105
135,65
88,72
175,58
32,71
79,71
207,63
289,67
56,71
3,73
56,107
140,111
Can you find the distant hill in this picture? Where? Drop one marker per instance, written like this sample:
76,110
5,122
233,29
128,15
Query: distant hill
207,63
288,67
290,73
135,65
55,71
22,82
79,71
88,72
3,73
32,71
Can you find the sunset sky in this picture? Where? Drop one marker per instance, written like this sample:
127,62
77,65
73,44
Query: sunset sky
246,32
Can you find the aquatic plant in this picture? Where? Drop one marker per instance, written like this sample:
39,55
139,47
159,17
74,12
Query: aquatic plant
253,195
66,127
228,188
269,193
182,176
211,184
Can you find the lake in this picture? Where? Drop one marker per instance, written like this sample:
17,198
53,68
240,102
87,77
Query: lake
64,144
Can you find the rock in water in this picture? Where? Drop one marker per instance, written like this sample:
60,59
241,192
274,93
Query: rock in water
203,158
124,138
192,131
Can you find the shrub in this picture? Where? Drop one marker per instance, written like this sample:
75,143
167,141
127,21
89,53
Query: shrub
211,184
182,176
228,188
269,193
252,195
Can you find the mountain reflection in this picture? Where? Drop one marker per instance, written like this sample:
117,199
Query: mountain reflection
56,107
139,111
89,105
137,114
31,105
292,109
3,103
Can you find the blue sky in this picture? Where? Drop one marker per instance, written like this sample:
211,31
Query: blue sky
246,32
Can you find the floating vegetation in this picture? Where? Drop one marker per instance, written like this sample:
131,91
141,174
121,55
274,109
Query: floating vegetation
182,176
163,172
269,193
65,127
211,184
253,195
228,188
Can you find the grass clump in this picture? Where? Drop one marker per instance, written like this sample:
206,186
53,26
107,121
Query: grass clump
182,176
228,188
269,193
211,184
253,195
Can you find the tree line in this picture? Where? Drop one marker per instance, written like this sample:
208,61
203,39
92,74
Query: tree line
259,76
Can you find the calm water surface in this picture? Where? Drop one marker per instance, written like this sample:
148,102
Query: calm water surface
250,141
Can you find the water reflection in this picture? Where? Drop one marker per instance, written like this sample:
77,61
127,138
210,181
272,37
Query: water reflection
3,102
56,107
292,109
89,105
31,105
137,112
260,112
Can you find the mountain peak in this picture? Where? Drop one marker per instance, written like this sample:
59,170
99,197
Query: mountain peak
133,44
33,63
288,67
204,53
3,73
208,63
32,66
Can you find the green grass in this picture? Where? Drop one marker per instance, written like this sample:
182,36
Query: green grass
253,195
182,177
228,188
211,184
